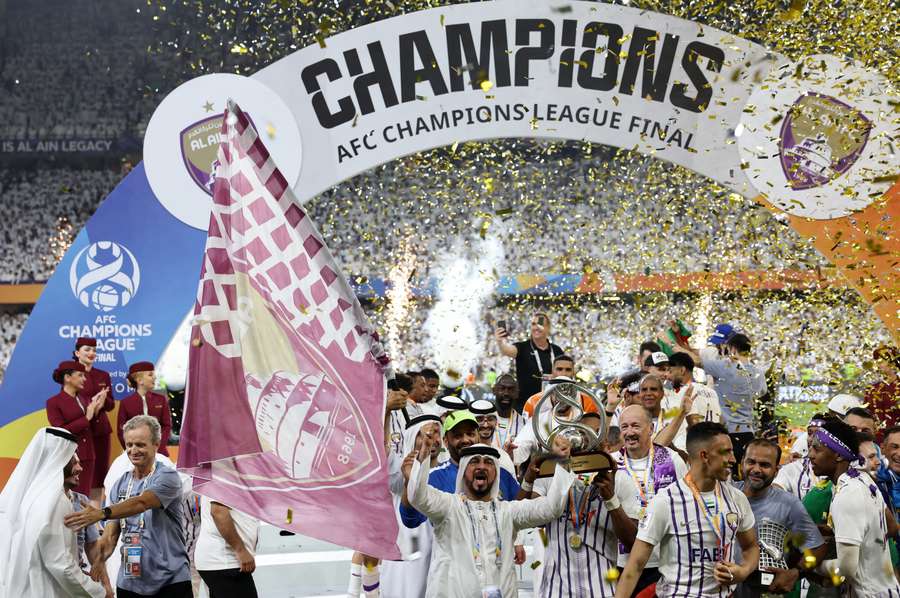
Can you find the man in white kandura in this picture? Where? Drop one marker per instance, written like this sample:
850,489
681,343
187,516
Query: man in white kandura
408,578
696,522
38,554
473,529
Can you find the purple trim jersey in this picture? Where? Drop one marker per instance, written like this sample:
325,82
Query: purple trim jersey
583,572
688,543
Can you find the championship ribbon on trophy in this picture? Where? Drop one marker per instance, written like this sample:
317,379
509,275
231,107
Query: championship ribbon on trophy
565,418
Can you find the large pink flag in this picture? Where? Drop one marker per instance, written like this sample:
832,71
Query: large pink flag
285,399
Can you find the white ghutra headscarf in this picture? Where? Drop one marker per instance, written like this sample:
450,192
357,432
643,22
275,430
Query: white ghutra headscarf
28,500
480,450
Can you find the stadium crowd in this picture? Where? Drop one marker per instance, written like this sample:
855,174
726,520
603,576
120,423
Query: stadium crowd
70,70
689,490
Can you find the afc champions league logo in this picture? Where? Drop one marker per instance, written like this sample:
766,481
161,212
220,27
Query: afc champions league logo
821,138
105,276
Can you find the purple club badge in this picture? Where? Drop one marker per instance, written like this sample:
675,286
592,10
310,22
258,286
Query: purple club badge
821,138
199,150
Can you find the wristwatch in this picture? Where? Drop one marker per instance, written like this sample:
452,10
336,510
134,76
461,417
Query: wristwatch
107,513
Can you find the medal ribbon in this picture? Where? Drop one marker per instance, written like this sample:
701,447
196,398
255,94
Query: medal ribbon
645,488
577,516
716,519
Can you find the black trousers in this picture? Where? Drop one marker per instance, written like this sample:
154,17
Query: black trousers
229,583
739,443
181,589
648,577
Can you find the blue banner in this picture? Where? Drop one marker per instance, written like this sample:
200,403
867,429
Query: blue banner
128,280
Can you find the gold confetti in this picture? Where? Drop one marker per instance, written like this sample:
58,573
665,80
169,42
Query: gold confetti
606,210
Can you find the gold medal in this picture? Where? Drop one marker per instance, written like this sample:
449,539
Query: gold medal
575,541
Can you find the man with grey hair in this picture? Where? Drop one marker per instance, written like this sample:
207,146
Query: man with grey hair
144,506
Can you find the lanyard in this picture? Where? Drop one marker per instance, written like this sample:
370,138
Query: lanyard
716,519
476,552
645,488
803,470
537,358
128,495
507,430
80,406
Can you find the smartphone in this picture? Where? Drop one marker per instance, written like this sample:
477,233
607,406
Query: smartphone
502,324
542,321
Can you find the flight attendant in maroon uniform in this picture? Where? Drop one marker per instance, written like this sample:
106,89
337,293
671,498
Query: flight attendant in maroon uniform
96,381
71,411
142,401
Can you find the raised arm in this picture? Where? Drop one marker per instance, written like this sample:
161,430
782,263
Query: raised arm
506,348
538,511
429,501
665,436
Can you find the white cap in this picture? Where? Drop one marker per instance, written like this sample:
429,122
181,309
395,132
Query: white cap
800,445
843,403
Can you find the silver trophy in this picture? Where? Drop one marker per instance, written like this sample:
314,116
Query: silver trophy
770,536
565,418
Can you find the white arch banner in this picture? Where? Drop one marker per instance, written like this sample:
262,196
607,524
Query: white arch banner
577,70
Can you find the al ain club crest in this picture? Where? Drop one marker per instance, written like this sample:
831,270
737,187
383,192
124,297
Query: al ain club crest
821,138
200,150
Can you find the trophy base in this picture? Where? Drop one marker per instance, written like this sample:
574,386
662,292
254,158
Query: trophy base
589,462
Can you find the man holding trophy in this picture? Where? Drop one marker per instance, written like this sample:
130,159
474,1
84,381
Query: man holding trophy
601,512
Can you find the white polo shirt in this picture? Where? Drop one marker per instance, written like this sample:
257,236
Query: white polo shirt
706,405
857,512
212,552
688,545
796,477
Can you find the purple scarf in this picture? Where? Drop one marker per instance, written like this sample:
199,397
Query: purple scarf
663,467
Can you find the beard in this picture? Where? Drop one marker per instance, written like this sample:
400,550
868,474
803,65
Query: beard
480,488
759,484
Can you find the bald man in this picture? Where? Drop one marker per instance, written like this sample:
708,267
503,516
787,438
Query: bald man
652,467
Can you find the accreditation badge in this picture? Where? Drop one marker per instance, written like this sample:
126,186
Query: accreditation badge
132,551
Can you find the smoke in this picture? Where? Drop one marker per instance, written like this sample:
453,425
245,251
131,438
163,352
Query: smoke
467,277
399,295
